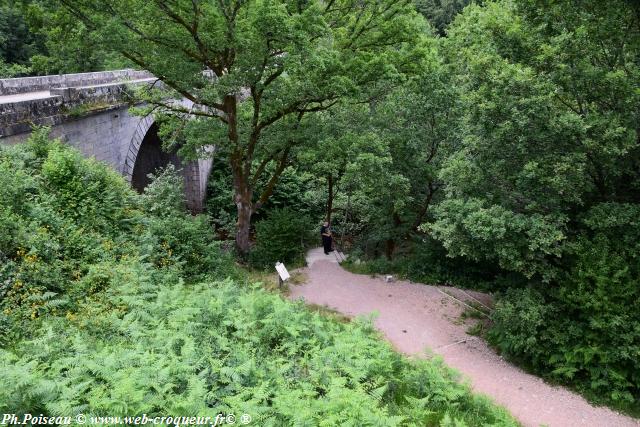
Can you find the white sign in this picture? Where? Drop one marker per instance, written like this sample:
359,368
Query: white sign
282,271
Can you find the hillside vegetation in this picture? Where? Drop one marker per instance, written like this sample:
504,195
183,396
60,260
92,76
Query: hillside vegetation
491,144
116,304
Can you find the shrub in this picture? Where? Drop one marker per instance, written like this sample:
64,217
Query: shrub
164,196
59,213
67,220
585,329
520,319
425,260
283,236
174,239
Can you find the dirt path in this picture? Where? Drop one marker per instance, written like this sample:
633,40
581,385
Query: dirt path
416,317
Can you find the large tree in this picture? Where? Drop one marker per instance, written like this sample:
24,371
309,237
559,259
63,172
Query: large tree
252,64
380,160
549,130
547,181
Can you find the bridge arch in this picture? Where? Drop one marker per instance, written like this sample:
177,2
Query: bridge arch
145,156
134,146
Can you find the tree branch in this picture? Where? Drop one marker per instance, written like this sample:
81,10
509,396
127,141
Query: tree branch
282,164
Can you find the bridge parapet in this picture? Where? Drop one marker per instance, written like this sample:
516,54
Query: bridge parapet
42,83
23,104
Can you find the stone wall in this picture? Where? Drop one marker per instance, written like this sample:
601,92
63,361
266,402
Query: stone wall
93,118
42,83
103,135
61,105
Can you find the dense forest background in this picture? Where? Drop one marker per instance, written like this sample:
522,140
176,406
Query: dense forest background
492,145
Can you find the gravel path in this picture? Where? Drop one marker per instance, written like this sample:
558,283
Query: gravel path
419,319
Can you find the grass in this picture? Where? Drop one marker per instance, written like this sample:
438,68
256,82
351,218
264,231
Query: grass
328,312
81,110
478,329
270,282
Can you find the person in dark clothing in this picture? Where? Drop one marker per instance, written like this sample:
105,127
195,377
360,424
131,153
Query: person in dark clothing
327,240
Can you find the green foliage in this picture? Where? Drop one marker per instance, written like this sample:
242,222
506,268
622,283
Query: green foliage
289,60
12,70
545,183
381,160
164,196
36,38
440,13
93,197
283,236
225,348
547,129
60,212
520,317
504,155
418,121
17,42
174,239
536,183
219,201
67,220
136,324
425,260
68,46
586,330
295,191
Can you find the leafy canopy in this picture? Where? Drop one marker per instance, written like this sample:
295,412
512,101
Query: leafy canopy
248,65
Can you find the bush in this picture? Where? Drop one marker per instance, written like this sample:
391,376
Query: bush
174,239
66,222
425,260
62,213
283,236
520,319
585,329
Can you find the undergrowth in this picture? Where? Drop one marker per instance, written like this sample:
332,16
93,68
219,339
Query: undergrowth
425,260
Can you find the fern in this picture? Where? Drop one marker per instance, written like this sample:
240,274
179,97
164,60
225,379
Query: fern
128,322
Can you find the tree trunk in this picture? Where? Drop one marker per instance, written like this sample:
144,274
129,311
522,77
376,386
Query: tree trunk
242,197
242,189
390,245
243,227
330,198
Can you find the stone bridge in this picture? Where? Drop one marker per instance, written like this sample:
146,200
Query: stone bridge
90,111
